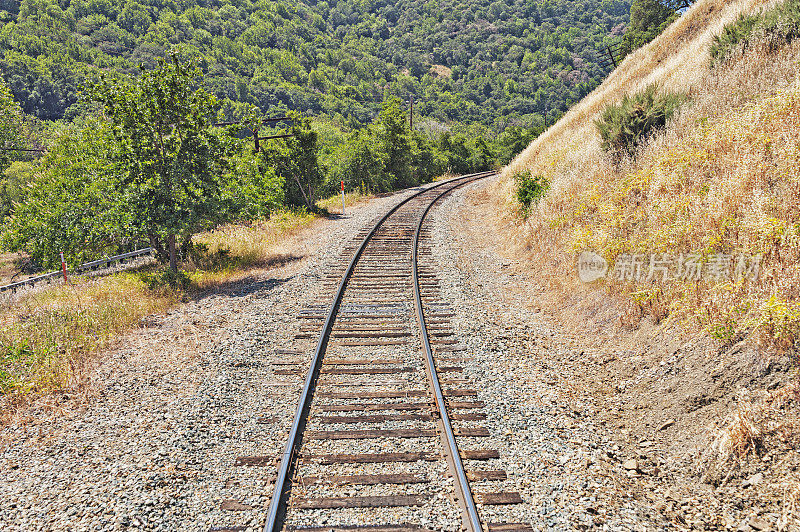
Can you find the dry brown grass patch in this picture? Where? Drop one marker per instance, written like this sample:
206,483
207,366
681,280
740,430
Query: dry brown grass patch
762,421
9,270
49,338
334,203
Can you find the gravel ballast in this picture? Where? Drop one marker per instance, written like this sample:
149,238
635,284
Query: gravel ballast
568,472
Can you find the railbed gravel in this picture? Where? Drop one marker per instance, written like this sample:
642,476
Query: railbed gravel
150,442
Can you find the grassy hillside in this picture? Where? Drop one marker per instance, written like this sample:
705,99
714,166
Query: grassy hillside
498,63
721,180
720,183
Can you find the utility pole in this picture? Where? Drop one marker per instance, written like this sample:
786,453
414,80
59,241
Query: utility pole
411,116
611,55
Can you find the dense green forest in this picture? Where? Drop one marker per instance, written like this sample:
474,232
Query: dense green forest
143,112
498,63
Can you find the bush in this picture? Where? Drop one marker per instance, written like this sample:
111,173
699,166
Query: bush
732,34
166,278
777,26
625,126
530,188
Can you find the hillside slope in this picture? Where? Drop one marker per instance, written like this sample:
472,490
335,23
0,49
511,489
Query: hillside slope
707,345
500,63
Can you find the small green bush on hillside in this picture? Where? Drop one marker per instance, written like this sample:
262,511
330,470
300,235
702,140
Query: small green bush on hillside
625,126
530,189
777,26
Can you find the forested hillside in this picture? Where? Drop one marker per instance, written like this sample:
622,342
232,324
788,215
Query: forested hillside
498,63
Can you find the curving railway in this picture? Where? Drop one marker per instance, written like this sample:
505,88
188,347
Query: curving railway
388,431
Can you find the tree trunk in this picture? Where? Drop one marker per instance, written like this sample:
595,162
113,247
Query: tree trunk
303,192
173,258
155,244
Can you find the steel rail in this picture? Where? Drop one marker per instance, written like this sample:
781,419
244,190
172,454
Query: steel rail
272,523
462,484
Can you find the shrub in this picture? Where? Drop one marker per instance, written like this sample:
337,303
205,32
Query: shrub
731,36
166,278
625,126
777,26
530,188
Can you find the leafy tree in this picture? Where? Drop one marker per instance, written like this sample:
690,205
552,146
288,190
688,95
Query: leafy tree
392,129
14,186
73,205
362,162
514,140
483,156
294,159
168,152
11,127
251,191
11,136
648,19
135,18
455,151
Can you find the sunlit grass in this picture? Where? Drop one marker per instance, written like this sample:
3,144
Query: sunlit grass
47,338
334,203
8,267
723,178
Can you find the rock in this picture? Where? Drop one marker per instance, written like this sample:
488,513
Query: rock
631,465
666,424
756,523
754,480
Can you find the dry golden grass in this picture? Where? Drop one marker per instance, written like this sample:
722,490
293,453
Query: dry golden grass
677,60
759,419
723,178
8,267
48,338
334,203
254,245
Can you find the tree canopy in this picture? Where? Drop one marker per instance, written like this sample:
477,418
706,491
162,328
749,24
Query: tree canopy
501,63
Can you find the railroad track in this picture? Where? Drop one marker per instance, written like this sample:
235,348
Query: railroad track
387,435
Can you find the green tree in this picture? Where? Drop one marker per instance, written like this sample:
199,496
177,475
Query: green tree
483,156
393,131
14,186
294,159
12,128
648,19
73,205
251,191
168,152
362,160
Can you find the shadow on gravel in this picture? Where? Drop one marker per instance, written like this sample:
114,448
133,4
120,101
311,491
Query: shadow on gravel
247,287
256,284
